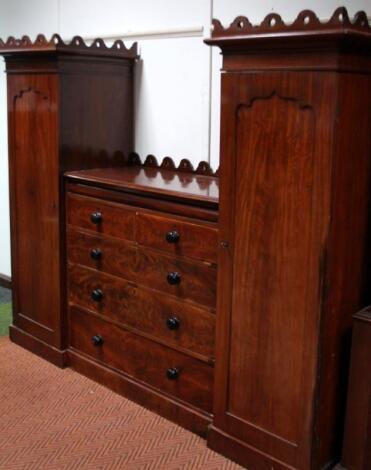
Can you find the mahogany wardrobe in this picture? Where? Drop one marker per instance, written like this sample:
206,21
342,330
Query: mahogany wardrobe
223,301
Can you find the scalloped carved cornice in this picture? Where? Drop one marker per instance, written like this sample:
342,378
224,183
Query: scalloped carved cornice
185,166
306,21
77,45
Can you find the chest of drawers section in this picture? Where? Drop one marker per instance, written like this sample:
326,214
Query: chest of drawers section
141,278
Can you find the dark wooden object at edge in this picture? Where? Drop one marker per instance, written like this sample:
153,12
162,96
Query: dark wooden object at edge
356,454
293,219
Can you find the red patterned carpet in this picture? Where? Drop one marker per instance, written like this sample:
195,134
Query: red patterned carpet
57,419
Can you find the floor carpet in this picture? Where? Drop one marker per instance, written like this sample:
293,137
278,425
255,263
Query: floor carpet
57,419
5,318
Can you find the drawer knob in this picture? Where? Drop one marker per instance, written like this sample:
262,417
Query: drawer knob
95,254
97,340
96,217
172,373
172,236
173,278
172,323
97,295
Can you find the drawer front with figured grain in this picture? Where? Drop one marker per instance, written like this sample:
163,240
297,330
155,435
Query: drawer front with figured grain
181,278
110,255
170,371
195,281
177,237
101,216
176,323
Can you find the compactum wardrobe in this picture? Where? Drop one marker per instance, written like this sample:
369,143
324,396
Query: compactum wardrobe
229,315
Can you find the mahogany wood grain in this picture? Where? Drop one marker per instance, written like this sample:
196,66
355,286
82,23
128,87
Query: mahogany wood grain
294,215
117,220
97,110
40,348
143,359
164,183
356,453
122,221
169,407
144,267
118,257
195,240
35,203
53,95
157,204
197,280
144,310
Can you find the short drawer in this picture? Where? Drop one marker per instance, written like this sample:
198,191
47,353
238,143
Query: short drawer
100,216
163,368
177,323
177,237
178,277
110,255
195,281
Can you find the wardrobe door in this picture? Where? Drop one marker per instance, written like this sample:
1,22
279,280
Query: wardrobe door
275,188
34,189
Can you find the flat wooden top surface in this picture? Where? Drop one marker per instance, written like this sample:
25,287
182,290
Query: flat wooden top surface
156,181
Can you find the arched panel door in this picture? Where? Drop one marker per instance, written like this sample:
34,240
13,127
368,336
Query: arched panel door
34,196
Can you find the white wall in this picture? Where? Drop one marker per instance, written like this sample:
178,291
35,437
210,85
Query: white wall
177,80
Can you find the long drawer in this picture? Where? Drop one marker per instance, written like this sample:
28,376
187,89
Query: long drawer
176,276
177,323
170,371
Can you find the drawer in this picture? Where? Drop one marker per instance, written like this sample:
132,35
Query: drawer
110,255
191,280
178,277
100,216
177,237
177,323
163,368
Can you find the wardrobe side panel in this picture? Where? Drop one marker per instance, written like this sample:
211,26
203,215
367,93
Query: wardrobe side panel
34,196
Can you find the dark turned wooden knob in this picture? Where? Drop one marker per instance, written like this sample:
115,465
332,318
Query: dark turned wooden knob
173,278
172,373
97,295
172,236
96,217
172,323
96,253
97,340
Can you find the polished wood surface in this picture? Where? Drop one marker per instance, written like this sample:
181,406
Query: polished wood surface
123,221
175,208
116,220
13,46
276,231
142,285
54,91
356,453
194,240
153,181
35,203
295,192
143,359
145,311
144,266
167,406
